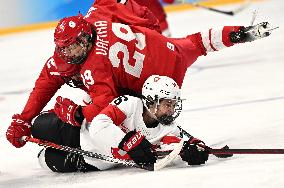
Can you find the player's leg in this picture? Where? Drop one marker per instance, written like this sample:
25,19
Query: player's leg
157,9
49,127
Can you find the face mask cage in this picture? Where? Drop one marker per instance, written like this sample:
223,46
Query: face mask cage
73,81
77,52
168,119
164,119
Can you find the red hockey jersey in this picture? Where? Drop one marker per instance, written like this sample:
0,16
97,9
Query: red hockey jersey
124,56
49,80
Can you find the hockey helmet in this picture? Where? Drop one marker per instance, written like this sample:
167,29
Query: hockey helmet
157,88
73,38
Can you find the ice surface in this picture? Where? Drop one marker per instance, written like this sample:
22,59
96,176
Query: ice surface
234,97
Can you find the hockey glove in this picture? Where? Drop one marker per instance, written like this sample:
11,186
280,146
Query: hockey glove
194,152
196,141
68,111
17,130
251,33
138,148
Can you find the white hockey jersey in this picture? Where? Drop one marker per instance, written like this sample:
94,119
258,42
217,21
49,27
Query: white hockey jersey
122,115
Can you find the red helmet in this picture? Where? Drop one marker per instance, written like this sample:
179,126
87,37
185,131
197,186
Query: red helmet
73,32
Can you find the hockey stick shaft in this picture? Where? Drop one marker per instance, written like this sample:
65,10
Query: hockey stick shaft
235,151
231,13
168,158
218,152
86,153
246,151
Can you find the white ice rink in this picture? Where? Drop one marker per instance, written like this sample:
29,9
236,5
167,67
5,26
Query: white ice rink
234,97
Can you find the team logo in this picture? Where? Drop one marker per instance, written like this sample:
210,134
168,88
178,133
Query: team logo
72,24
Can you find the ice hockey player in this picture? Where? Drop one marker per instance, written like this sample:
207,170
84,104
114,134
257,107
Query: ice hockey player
128,128
106,58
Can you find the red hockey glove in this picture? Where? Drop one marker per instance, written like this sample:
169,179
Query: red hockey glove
138,148
68,111
17,130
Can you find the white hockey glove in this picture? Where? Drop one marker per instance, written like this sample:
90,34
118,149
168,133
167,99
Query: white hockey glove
251,33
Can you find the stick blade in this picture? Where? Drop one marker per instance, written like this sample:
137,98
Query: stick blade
226,147
169,158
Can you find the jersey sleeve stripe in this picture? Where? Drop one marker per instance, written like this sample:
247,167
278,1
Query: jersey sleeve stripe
115,114
217,39
206,41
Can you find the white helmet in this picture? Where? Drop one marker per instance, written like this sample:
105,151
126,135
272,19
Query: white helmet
158,87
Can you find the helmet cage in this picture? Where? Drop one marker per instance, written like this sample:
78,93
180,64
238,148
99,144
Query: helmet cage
164,119
82,42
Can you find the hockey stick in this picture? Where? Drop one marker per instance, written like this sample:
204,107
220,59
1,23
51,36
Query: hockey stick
207,147
225,151
235,151
152,167
231,12
246,151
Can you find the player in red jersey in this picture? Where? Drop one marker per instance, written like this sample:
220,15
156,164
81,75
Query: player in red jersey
53,76
106,54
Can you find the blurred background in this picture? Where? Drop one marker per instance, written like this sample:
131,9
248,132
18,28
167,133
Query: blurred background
26,15
23,12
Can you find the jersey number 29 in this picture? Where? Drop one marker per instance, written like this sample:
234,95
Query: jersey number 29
127,36
117,47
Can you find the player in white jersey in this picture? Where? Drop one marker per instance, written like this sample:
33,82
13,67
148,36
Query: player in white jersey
128,128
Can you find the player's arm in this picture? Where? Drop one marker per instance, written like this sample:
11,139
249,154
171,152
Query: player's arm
125,141
101,90
46,86
216,39
192,152
75,114
116,110
100,99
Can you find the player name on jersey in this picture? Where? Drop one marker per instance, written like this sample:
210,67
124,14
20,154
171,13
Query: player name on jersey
102,43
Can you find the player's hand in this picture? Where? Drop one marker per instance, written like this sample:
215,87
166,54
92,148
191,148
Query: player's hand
194,152
197,142
68,111
251,33
18,128
138,148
